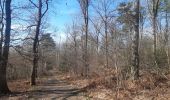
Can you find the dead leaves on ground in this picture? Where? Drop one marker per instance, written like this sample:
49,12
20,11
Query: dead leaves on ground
150,86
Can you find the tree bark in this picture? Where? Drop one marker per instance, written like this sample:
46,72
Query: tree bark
106,41
86,39
84,4
2,26
135,48
76,54
155,40
35,45
166,35
4,59
154,15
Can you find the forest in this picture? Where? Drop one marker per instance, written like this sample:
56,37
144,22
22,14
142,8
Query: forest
104,50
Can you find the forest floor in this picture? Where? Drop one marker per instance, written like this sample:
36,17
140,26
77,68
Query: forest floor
150,86
53,87
64,87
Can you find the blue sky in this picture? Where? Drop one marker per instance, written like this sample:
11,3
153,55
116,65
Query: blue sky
61,13
64,11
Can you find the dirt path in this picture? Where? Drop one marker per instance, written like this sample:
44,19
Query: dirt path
52,88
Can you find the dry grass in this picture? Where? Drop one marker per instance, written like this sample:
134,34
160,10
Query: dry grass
150,86
19,85
23,85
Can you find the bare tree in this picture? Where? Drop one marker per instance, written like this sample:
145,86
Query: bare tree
40,15
2,6
97,27
84,4
166,33
154,14
135,46
4,57
74,35
105,12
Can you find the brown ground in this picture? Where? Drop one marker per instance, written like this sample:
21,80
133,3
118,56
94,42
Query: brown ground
53,88
62,87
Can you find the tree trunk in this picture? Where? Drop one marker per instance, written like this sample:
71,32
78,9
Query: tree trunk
135,47
4,59
86,39
166,35
35,45
106,41
84,4
155,40
154,15
2,28
76,55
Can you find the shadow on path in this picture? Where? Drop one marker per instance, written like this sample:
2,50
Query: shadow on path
51,89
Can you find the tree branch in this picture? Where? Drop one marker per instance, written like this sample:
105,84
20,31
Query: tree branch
33,3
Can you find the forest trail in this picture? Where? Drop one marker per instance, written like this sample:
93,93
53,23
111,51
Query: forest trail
51,88
60,87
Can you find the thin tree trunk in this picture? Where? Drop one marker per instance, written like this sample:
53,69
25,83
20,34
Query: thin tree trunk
106,41
97,56
154,15
167,37
106,33
84,4
155,40
75,54
135,47
86,39
35,45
